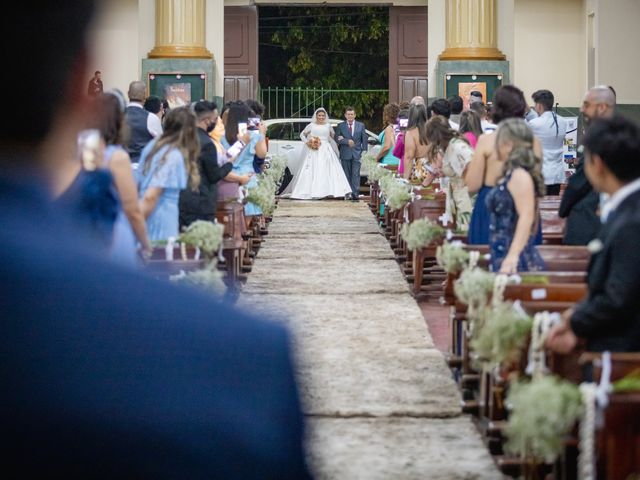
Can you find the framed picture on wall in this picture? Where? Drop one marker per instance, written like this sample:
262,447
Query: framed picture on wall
464,83
178,88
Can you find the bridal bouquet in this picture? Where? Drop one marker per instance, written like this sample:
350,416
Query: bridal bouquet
314,143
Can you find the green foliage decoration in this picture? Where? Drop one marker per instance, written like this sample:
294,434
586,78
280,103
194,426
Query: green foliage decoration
277,166
543,411
263,194
452,257
420,233
503,335
474,287
628,383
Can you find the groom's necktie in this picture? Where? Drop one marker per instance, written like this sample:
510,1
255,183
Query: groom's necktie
351,129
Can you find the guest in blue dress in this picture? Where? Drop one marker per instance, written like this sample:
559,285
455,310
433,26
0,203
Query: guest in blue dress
485,169
254,145
512,205
168,164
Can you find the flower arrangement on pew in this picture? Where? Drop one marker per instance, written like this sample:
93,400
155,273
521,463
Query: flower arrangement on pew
263,194
206,237
502,336
421,233
452,257
542,412
473,289
397,192
277,164
375,171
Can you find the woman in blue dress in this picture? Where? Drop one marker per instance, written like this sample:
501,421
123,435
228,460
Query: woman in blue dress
485,169
168,164
512,204
254,146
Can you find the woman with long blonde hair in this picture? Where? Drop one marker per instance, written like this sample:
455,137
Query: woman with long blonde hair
513,202
168,164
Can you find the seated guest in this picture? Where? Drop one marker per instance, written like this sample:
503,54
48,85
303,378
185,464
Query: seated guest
513,202
388,137
167,165
609,318
202,204
485,169
441,106
451,154
550,129
579,203
470,127
107,373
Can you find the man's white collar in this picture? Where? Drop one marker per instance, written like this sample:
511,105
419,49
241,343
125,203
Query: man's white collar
618,197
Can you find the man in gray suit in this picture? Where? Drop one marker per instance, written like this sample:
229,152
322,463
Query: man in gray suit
352,141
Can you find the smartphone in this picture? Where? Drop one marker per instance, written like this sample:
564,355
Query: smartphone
254,123
90,149
242,129
403,122
234,150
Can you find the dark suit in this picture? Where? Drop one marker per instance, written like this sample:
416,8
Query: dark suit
579,205
350,156
110,374
201,204
610,317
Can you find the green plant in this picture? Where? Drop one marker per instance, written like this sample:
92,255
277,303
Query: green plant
420,233
502,336
452,257
204,235
629,383
542,413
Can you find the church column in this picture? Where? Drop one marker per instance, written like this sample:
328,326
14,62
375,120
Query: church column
180,29
471,30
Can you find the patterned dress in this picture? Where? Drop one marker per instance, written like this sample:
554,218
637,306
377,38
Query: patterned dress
456,159
503,219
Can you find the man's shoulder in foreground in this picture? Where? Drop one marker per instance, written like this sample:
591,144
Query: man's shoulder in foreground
111,373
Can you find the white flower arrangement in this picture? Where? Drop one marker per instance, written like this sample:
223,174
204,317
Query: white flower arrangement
263,195
207,236
503,335
420,233
277,166
452,257
208,279
474,286
396,192
543,411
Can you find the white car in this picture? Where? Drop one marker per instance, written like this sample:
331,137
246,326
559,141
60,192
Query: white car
284,139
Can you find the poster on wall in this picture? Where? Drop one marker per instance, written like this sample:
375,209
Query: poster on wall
178,94
570,141
465,89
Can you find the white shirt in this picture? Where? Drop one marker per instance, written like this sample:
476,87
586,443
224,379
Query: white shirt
154,125
552,140
487,126
454,125
618,197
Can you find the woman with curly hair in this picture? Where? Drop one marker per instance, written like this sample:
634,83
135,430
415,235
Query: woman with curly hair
513,203
388,137
167,164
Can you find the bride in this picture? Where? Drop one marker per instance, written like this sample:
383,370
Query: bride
321,174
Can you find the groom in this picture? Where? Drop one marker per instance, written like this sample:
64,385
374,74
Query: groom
352,141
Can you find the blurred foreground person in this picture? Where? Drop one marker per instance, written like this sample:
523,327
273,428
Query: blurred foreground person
107,373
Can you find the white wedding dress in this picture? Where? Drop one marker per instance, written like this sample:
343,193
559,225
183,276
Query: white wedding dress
321,174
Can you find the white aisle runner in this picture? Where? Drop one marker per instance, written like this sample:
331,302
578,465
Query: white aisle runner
379,399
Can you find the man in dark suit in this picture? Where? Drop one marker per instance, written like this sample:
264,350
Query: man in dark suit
107,373
201,204
351,137
579,203
609,319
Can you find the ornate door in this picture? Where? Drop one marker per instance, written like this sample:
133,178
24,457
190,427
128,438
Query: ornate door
240,53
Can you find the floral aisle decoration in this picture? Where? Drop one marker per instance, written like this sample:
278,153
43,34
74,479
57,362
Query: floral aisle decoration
397,192
263,194
503,335
375,171
473,289
420,233
542,412
277,164
452,257
206,237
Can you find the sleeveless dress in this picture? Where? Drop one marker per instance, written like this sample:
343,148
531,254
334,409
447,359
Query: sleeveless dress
503,219
124,247
321,174
389,158
171,176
